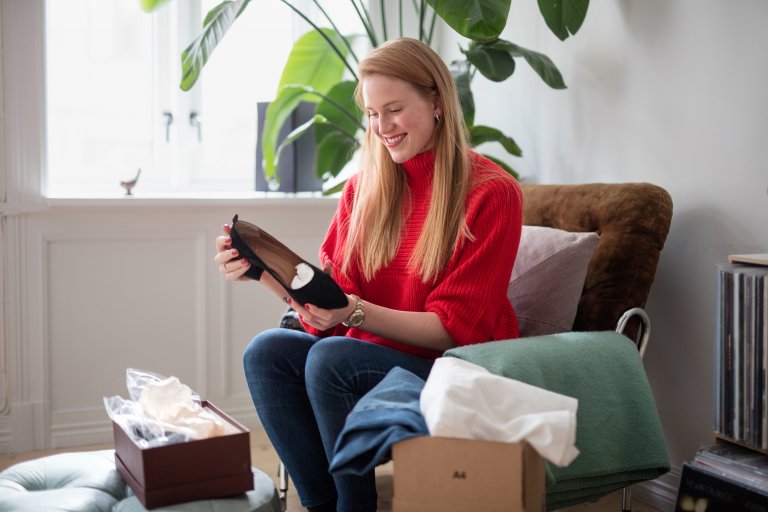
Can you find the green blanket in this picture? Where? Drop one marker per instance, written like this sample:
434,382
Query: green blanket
617,427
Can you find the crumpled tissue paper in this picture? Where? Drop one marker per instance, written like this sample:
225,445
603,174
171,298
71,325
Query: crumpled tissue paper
464,400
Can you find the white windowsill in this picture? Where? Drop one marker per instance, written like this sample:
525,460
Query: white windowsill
168,200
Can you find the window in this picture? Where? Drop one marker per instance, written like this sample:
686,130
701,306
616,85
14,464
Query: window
114,105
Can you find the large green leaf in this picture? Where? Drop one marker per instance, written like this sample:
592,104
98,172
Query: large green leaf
460,70
333,153
151,5
339,108
479,20
277,113
481,134
541,64
215,26
494,63
314,63
299,131
563,17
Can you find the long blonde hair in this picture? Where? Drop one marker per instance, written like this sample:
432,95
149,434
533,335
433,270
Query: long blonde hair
377,217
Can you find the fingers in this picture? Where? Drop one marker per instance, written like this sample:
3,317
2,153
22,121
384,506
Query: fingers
234,270
322,319
224,241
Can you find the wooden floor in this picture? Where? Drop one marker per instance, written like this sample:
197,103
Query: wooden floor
265,458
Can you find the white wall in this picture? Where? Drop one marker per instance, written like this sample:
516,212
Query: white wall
669,92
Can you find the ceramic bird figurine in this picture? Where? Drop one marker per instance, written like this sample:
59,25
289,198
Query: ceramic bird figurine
128,185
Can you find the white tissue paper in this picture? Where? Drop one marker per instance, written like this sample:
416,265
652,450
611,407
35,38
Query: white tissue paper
171,403
461,399
161,411
304,275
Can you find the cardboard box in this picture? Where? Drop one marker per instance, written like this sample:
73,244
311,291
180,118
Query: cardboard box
438,474
191,471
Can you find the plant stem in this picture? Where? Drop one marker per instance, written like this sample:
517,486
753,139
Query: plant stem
346,43
383,20
343,132
366,24
339,106
432,27
322,34
421,20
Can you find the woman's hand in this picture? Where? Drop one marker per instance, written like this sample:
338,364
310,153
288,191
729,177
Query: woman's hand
324,319
226,257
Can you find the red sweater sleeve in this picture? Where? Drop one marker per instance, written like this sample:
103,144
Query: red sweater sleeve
471,299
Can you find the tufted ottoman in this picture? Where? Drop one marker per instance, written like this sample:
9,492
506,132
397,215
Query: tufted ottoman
64,482
89,482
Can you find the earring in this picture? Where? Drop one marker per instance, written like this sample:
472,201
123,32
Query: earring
437,117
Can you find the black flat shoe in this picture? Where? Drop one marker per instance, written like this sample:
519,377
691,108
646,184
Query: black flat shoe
304,282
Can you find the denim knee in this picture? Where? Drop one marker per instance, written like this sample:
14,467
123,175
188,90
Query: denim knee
262,348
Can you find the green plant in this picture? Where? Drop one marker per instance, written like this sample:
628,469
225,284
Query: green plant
318,62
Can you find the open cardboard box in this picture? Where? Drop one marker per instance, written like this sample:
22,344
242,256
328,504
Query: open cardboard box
440,474
191,471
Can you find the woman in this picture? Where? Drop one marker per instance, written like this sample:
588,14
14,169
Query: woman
423,243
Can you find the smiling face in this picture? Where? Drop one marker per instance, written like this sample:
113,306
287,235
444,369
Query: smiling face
400,116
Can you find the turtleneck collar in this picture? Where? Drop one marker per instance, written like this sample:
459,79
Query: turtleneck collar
420,170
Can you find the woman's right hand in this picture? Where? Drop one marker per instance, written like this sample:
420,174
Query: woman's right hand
227,258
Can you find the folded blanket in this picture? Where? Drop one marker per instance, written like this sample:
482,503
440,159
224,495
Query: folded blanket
386,414
618,429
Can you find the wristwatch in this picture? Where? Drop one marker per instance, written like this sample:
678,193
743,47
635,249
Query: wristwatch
357,316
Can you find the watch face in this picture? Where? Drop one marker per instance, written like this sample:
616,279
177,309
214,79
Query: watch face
356,319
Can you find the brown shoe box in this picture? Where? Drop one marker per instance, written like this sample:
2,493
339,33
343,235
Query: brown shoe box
191,471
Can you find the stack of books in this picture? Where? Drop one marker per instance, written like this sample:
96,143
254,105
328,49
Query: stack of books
741,351
724,477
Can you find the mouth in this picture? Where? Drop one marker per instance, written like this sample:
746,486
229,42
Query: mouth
392,142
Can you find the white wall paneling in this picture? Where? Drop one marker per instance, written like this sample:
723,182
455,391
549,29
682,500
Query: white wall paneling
104,288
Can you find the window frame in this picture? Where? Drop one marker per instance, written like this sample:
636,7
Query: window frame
23,136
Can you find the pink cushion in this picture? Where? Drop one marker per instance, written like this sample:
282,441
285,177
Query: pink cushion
548,278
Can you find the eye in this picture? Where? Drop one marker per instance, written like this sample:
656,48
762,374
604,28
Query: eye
372,115
395,110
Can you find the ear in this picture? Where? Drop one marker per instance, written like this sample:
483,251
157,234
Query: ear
437,104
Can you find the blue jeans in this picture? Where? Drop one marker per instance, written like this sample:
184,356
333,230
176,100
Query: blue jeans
303,387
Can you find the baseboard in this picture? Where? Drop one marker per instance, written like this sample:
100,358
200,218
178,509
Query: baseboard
5,435
660,493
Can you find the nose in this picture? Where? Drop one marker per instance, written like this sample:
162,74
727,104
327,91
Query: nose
384,125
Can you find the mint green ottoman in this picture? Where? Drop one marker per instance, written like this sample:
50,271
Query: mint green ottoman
89,482
263,498
66,482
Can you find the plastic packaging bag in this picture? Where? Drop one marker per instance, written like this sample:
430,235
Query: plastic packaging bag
162,410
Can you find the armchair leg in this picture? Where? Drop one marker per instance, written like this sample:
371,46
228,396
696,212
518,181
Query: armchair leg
626,499
282,478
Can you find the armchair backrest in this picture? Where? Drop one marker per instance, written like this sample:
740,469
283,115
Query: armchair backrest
632,220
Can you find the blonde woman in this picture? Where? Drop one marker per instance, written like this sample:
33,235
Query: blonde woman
423,243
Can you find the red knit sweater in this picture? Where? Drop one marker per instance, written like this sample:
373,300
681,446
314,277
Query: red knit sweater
470,295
